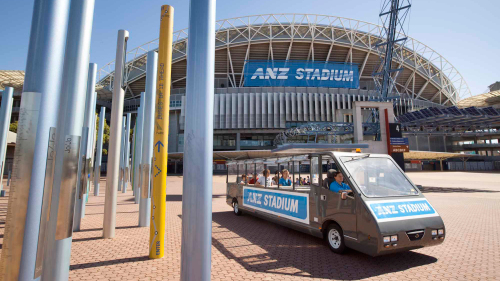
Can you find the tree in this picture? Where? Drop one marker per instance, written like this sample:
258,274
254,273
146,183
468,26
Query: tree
13,127
105,135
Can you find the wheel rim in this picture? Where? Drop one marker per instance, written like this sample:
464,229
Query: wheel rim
236,207
334,238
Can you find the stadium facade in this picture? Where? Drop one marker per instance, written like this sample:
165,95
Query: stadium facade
282,73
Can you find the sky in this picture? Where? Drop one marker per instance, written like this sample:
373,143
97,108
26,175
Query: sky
464,32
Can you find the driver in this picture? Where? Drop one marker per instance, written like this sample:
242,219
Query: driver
337,185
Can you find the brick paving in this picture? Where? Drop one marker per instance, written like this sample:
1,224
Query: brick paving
249,248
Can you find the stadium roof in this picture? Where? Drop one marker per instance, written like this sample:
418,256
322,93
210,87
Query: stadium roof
426,75
11,78
487,99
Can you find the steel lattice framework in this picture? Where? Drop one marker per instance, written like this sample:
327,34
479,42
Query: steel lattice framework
426,75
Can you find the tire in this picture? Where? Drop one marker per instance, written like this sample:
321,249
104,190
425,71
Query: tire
236,209
334,237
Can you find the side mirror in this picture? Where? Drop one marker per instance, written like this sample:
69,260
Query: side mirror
419,186
343,195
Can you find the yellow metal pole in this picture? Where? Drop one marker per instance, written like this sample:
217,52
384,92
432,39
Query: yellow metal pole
160,152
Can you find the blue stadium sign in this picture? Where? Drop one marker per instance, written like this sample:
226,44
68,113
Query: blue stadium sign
290,205
301,74
393,210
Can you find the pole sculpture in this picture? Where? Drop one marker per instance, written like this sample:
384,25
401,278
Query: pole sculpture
122,152
148,137
5,112
21,257
138,149
198,143
114,138
126,154
98,161
68,137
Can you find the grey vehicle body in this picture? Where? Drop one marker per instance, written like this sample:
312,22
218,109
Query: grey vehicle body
362,230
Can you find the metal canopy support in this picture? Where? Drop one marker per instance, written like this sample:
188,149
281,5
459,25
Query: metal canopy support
98,161
198,147
114,139
44,67
68,137
5,112
148,134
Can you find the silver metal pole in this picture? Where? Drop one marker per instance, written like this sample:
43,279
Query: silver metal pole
126,154
114,138
81,180
94,139
122,152
138,149
148,138
98,162
44,66
5,112
68,136
132,163
198,145
84,150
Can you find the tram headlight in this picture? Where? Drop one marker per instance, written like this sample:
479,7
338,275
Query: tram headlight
387,239
441,231
394,238
434,232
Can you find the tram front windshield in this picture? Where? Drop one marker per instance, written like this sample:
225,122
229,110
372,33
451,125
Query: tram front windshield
378,177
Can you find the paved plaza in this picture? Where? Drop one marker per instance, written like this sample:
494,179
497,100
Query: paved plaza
249,248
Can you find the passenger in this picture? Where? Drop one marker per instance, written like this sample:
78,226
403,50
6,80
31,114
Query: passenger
307,181
264,180
338,185
297,181
275,180
243,179
253,180
285,180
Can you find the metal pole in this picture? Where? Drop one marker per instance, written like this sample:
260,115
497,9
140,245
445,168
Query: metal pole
84,156
160,149
94,139
114,138
44,66
126,154
138,149
122,151
68,136
132,162
5,112
198,146
148,137
98,162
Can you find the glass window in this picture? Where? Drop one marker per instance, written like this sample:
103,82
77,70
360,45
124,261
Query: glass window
233,173
315,170
378,177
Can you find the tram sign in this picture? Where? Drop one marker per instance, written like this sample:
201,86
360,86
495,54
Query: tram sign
300,74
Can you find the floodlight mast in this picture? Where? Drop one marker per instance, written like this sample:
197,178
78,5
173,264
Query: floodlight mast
393,15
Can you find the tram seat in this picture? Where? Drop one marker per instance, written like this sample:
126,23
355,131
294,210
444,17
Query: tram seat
329,178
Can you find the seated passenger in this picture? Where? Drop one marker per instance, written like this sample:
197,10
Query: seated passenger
338,185
243,179
285,180
253,180
265,180
329,178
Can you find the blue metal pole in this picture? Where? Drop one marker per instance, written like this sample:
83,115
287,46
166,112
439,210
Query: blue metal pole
5,112
68,136
44,66
198,143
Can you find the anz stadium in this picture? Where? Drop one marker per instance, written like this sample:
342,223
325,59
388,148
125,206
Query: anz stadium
297,78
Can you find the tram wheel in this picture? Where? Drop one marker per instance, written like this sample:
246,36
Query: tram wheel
335,238
236,208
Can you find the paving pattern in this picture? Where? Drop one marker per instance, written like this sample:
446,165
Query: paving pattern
249,248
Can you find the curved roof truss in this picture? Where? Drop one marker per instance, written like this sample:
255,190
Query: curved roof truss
427,74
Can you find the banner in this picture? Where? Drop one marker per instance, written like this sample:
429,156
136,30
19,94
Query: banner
300,74
393,210
290,205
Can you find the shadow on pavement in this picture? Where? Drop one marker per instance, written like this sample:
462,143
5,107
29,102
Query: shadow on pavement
178,197
98,229
106,263
434,189
262,246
